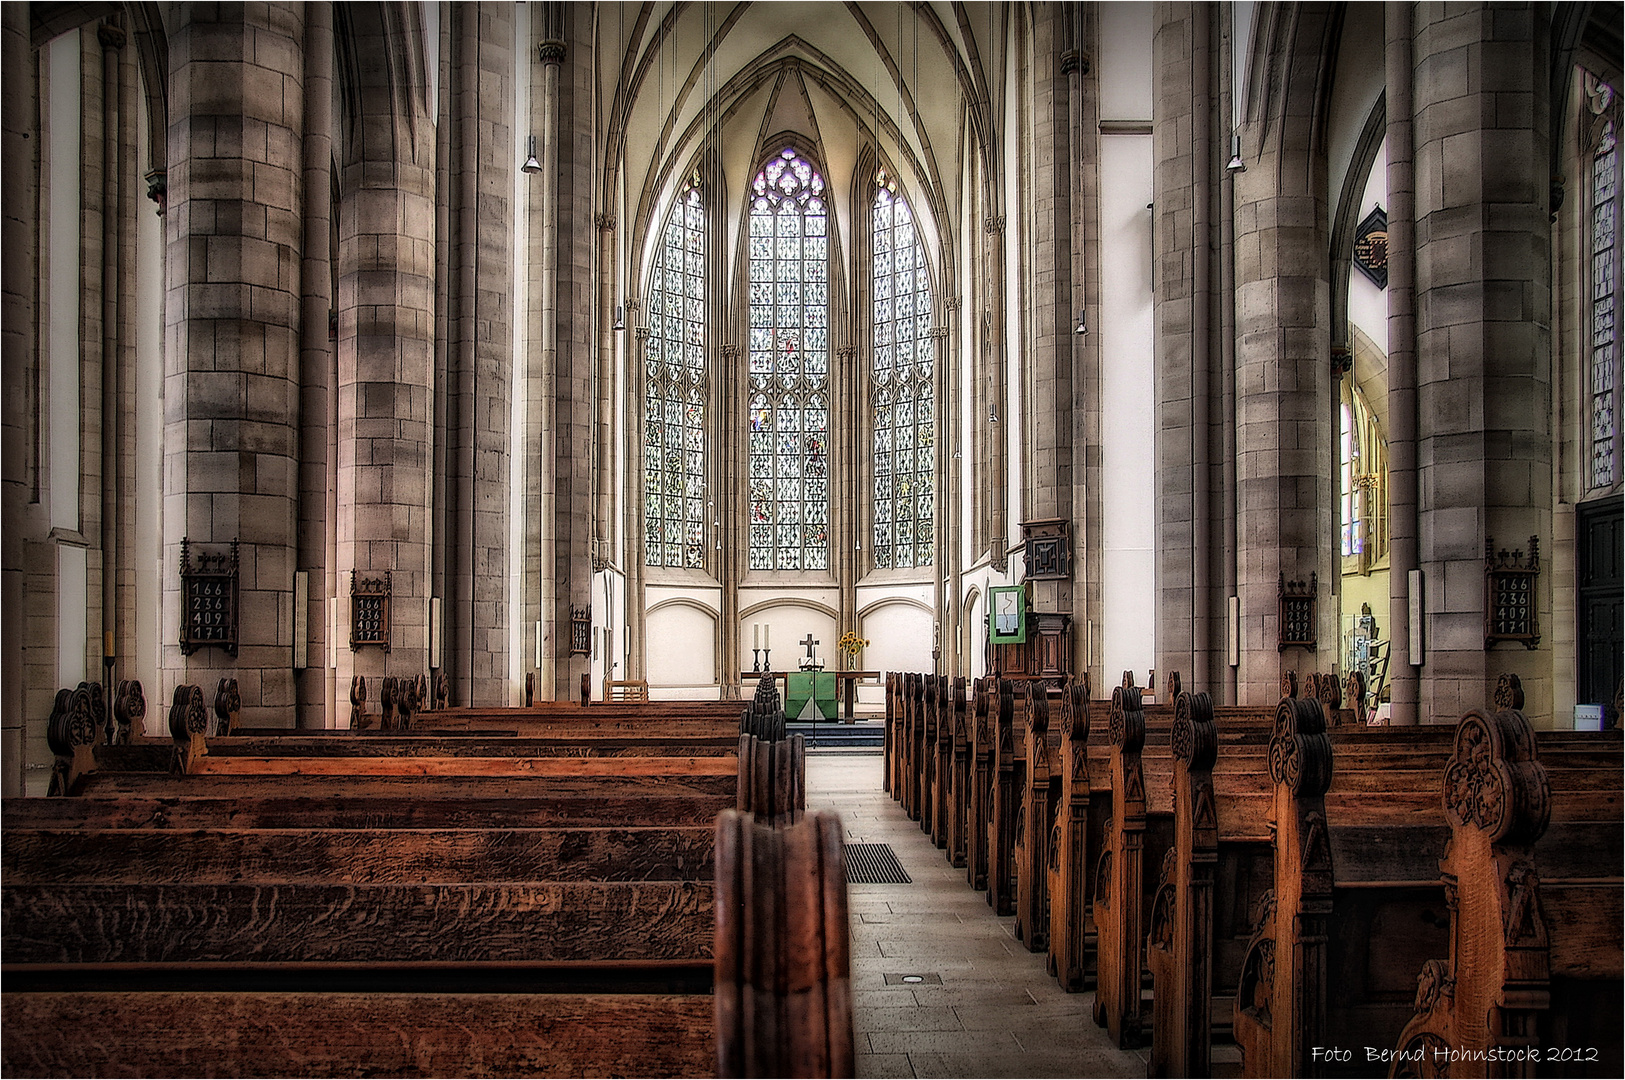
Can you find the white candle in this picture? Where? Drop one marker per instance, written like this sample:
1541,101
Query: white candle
756,630
766,629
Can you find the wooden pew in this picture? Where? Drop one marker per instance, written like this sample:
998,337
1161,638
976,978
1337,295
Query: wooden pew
366,871
1531,983
1357,898
1070,923
959,775
1035,767
1119,908
979,750
523,952
1133,845
1212,877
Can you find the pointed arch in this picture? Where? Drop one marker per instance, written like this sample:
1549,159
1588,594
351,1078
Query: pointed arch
902,381
788,364
677,385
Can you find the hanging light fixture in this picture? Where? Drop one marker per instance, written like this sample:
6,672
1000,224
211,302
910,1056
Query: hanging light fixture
620,318
1082,326
531,165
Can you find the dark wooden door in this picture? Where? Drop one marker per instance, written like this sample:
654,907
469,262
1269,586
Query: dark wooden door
1601,600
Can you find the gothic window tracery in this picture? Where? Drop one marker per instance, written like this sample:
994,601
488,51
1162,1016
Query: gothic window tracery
903,373
1603,251
788,357
674,458
1363,486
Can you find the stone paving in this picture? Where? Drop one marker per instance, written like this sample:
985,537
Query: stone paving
985,1005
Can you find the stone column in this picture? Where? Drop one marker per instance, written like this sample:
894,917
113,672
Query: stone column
384,385
18,341
1049,479
544,447
317,691
232,350
1087,504
1483,335
1286,501
479,351
995,464
1182,192
1402,520
570,78
115,254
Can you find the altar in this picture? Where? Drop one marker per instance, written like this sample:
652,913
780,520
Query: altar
821,690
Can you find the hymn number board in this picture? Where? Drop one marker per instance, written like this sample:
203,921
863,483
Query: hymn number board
369,611
208,599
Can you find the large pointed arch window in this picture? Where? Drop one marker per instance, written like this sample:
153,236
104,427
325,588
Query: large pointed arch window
1603,249
789,367
675,392
904,415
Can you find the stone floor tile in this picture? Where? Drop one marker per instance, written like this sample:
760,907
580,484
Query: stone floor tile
912,1017
943,1042
883,1065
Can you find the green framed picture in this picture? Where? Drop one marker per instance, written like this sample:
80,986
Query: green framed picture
1007,615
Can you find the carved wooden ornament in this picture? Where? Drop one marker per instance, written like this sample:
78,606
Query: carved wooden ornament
1494,781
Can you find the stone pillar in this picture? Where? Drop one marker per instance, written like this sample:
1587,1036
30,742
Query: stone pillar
1483,335
1049,479
115,253
543,446
1088,527
232,350
318,488
479,348
1286,501
18,344
995,352
570,78
384,386
1186,606
1402,509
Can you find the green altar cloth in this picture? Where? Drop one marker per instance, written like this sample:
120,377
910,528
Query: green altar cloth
811,695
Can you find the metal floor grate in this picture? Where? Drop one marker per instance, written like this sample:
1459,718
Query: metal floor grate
874,864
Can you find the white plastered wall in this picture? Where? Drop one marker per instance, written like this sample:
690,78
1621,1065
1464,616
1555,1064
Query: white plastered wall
1127,638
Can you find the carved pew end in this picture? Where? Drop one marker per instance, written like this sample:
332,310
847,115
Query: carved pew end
783,953
772,779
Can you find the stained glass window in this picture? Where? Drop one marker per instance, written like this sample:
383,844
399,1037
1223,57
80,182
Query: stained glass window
675,392
903,386
789,367
1363,486
1604,255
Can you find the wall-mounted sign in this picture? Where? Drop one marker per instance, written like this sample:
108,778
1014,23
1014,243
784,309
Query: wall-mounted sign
1371,247
208,598
369,610
1007,615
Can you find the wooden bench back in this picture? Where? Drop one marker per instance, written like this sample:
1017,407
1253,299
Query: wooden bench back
1534,877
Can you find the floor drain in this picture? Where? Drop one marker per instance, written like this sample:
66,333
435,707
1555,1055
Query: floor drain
874,864
923,979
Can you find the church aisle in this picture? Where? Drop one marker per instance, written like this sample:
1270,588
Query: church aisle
982,1005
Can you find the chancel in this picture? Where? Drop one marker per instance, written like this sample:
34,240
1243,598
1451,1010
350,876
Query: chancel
429,407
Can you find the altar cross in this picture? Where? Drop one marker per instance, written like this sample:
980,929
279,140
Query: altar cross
809,642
